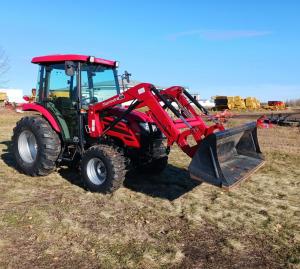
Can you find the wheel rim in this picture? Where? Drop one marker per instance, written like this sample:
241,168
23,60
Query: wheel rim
96,171
27,146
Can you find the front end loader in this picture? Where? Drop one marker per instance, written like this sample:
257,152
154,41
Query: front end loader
84,121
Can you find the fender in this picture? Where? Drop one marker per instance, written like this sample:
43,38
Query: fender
45,113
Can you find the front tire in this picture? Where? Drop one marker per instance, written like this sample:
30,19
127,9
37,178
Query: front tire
36,146
103,168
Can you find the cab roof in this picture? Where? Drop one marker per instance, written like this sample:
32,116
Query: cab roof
71,57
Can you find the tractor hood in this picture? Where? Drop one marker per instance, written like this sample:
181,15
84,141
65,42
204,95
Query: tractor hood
135,115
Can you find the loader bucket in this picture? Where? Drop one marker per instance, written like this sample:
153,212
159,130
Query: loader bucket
225,158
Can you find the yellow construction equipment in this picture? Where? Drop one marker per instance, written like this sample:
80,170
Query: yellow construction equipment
61,93
230,102
3,98
239,103
252,103
258,104
236,103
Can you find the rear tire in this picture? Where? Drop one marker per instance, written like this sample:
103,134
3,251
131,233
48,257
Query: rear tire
103,168
36,146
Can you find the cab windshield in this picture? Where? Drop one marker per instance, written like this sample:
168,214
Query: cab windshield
98,83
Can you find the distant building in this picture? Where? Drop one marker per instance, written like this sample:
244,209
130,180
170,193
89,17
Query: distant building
206,103
14,95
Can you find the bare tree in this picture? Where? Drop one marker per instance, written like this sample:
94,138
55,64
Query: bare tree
4,66
293,102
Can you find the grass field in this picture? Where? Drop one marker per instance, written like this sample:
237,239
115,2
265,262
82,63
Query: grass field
166,221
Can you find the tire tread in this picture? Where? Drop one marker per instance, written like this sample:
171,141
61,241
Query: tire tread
117,161
50,145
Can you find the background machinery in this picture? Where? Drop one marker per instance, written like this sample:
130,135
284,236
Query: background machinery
229,102
252,103
275,105
223,102
81,121
236,103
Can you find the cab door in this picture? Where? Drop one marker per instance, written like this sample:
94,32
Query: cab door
60,97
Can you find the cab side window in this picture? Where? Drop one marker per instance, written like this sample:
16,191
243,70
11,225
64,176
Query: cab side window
60,85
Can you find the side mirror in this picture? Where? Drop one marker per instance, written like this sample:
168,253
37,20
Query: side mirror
127,76
69,68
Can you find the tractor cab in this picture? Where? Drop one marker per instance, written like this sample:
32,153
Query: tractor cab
68,83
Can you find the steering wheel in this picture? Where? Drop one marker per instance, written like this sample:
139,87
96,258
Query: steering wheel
85,98
93,99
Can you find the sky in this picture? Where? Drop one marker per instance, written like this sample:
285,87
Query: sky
229,47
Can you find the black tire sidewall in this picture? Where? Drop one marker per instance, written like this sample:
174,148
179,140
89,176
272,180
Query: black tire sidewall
27,167
105,186
48,146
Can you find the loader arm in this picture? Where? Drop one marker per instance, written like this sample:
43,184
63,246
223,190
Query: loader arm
188,122
222,158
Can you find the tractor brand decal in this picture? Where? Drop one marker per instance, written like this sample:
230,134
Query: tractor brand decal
141,90
110,101
120,97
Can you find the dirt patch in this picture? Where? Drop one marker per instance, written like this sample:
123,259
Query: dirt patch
211,247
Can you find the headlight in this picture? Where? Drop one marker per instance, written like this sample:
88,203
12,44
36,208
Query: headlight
145,126
92,59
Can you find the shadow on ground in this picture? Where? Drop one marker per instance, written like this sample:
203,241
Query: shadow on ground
170,184
6,155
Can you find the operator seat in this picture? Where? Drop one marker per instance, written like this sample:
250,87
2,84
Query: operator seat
68,110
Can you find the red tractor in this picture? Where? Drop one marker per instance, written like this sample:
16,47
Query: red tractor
83,122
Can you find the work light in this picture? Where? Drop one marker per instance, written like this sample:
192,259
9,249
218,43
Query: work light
92,59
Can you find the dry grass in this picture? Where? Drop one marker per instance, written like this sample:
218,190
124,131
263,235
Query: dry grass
167,221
